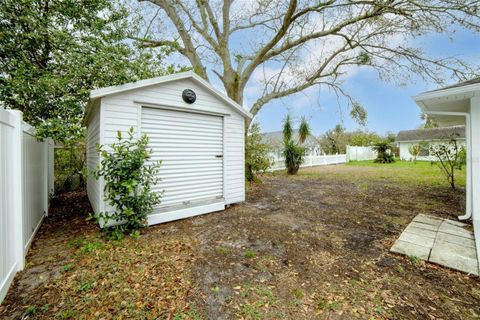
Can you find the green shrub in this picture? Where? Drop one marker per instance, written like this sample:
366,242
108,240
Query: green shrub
70,169
294,156
128,184
293,151
256,154
415,150
450,157
384,152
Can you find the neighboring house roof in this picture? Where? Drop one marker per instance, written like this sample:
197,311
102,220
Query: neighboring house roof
102,92
440,133
275,139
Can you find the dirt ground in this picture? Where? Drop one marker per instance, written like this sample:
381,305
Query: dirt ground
313,246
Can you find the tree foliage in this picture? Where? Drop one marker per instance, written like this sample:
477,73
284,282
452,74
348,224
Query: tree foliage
129,176
256,154
293,151
287,46
53,52
336,140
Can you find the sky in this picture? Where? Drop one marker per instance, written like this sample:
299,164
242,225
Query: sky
390,108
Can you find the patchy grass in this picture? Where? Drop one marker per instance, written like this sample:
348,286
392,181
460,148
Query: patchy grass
407,172
315,245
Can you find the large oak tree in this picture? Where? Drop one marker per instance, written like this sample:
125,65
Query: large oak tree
53,52
291,45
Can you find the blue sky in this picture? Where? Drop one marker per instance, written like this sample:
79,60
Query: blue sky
389,107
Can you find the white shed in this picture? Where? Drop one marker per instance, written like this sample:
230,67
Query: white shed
197,132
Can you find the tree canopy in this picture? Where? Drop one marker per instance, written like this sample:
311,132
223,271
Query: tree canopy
53,52
336,140
286,46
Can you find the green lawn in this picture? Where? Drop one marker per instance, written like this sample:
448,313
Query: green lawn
407,172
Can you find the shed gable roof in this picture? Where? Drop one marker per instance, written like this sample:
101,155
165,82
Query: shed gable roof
103,92
440,133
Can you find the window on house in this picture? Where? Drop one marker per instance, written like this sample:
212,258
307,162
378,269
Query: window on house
424,149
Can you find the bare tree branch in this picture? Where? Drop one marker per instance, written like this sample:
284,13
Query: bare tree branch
300,44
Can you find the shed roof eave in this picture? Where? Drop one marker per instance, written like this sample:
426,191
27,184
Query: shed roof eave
102,92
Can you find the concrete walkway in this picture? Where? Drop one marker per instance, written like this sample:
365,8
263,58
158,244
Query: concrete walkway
445,242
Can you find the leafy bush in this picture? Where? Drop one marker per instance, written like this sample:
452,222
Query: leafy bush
384,152
128,184
450,157
293,151
256,154
414,150
70,169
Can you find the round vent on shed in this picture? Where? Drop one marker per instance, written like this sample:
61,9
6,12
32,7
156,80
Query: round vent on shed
189,96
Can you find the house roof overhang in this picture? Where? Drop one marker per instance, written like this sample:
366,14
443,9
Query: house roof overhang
448,106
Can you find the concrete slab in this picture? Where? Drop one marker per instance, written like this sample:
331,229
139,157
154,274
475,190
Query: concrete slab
454,256
411,249
421,218
424,226
445,242
462,241
455,223
455,230
411,228
417,239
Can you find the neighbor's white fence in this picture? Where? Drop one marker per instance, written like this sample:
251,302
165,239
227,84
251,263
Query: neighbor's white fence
311,161
26,180
356,153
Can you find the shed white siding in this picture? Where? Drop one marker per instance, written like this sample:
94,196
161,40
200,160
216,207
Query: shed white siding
94,190
209,120
234,159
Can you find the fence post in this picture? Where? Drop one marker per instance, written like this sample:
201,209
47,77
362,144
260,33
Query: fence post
17,187
51,166
46,149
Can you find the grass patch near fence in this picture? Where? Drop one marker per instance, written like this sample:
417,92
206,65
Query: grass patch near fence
406,173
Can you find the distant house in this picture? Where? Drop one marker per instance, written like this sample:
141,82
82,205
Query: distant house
425,138
275,141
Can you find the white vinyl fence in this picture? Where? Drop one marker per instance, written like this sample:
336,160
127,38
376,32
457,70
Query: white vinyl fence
355,153
311,161
26,180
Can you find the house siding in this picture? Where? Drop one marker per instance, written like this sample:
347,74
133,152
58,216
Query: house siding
405,153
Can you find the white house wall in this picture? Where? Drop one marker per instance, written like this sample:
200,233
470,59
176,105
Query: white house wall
93,158
123,110
405,153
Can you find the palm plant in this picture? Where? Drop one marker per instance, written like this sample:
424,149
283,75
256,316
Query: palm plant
384,152
293,151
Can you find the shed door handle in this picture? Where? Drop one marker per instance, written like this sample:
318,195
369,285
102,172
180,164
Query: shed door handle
219,156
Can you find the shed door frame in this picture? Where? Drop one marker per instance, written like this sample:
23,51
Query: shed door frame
141,105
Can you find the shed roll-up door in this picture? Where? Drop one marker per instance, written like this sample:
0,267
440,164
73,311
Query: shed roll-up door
190,146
